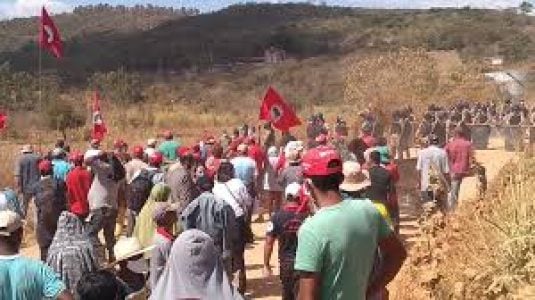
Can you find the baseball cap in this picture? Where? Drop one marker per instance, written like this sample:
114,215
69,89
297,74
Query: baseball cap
137,151
9,222
156,158
45,166
321,161
152,142
26,149
119,143
292,190
76,156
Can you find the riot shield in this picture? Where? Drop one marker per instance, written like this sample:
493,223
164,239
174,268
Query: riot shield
480,135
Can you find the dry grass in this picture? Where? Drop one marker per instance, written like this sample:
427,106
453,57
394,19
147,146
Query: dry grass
486,251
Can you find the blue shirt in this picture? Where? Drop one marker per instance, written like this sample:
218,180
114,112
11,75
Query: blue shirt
22,278
60,169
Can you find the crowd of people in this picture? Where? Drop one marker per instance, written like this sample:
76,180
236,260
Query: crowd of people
165,220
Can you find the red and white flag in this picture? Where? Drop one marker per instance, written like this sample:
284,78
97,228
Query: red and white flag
99,127
49,37
278,112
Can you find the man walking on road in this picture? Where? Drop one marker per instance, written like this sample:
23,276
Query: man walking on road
460,157
432,162
337,246
26,175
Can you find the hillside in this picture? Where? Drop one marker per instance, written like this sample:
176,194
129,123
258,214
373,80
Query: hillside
162,40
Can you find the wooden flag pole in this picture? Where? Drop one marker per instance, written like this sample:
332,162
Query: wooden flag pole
40,96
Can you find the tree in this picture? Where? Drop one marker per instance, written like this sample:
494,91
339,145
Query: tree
526,7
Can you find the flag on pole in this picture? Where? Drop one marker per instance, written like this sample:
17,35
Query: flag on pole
275,110
49,37
3,120
99,127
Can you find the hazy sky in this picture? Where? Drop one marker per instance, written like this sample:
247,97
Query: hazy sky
23,8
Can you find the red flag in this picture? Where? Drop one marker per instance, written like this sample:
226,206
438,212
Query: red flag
49,38
3,120
278,112
99,127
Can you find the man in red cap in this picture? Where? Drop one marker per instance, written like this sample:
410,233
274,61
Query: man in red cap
155,167
337,246
136,164
78,183
169,146
50,201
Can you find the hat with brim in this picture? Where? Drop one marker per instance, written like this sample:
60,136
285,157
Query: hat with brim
128,247
355,179
10,222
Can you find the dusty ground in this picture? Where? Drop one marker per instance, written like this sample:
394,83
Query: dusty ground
260,287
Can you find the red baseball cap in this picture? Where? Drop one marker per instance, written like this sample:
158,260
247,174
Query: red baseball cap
76,157
45,166
119,143
322,161
156,158
182,151
137,151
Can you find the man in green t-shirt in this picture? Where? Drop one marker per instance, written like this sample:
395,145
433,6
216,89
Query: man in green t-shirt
169,146
337,246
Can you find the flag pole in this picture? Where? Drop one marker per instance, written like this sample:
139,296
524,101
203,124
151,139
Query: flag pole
40,97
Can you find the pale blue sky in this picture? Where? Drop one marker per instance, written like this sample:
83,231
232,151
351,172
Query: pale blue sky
20,8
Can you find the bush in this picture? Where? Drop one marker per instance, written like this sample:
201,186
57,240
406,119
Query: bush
119,86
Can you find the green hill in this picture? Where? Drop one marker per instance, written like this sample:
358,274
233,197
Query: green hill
104,38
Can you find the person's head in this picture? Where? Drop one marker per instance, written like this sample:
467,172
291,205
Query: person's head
217,151
458,132
242,150
160,192
45,167
433,140
60,143
168,135
151,143
98,285
375,158
205,183
58,153
273,151
366,128
77,158
156,159
26,149
10,231
384,153
225,172
95,144
187,161
138,152
291,193
120,146
165,215
322,169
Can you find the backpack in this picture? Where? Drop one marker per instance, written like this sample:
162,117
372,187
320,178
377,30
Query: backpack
119,173
138,190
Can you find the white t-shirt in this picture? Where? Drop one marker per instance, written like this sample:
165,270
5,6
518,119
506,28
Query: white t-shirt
431,154
235,194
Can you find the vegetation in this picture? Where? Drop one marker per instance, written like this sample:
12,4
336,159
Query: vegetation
154,39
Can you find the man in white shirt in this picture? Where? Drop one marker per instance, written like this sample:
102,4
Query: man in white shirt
432,161
234,192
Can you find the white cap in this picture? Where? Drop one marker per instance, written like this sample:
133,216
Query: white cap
152,142
292,189
9,222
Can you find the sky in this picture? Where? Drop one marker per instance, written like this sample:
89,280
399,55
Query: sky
25,8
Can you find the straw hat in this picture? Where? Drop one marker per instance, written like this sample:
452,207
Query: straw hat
128,247
355,179
26,149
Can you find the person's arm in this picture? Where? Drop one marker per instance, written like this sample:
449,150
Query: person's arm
308,286
65,295
308,262
393,254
